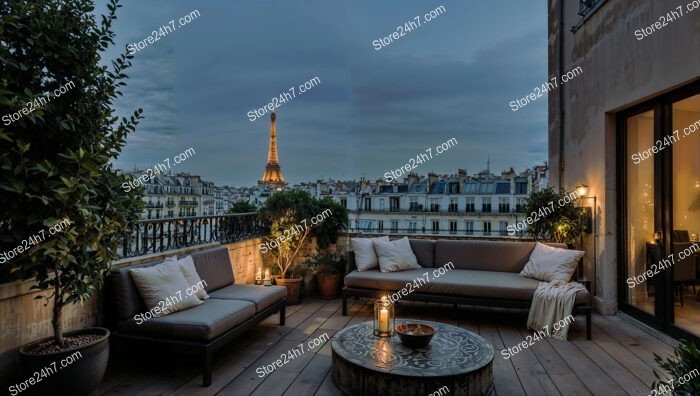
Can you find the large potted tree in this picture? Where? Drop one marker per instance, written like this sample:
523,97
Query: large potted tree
61,199
295,218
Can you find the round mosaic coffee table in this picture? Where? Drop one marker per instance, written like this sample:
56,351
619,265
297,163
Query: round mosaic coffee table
364,364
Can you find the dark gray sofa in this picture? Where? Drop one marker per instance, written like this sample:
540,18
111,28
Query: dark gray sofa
485,273
201,330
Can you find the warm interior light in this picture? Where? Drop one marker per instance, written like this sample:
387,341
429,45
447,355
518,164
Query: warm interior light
582,190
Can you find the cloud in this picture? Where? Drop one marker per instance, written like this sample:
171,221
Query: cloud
373,109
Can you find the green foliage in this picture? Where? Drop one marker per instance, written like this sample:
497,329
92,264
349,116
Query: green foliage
327,263
55,163
559,223
242,207
290,214
685,360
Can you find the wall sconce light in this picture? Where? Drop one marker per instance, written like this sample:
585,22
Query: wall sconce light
581,190
588,223
586,212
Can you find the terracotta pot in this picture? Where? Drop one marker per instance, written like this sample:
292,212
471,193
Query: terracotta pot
328,286
293,286
83,371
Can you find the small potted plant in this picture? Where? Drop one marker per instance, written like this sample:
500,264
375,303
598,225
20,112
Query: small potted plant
329,269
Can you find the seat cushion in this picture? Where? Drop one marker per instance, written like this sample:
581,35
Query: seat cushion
456,282
261,296
201,323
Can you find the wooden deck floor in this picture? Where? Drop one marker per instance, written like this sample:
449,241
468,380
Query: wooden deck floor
618,361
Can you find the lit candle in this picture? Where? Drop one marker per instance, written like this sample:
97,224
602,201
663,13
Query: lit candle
384,320
267,274
258,275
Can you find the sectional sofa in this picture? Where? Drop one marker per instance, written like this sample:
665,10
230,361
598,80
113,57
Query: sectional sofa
485,273
201,330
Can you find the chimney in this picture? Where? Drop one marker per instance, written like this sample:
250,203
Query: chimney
412,178
461,179
432,178
378,186
461,175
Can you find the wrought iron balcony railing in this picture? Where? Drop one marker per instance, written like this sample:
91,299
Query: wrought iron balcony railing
586,6
153,236
430,232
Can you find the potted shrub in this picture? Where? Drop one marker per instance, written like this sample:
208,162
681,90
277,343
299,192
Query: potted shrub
59,190
295,217
683,364
329,271
556,223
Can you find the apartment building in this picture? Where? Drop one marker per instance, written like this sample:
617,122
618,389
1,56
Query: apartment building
483,204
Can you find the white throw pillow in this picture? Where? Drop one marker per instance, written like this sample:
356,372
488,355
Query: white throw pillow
186,266
163,287
365,256
396,255
548,263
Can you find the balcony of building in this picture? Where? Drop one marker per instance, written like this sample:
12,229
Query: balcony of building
618,360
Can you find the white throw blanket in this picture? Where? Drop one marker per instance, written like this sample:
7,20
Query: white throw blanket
552,302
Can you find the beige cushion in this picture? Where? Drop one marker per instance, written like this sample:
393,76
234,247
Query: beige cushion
396,255
549,263
164,287
365,256
186,266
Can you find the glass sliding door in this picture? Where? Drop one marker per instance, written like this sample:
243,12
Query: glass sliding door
685,177
640,209
659,172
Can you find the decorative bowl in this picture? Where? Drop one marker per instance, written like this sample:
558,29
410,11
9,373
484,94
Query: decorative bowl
415,335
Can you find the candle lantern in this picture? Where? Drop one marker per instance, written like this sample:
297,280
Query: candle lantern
267,281
258,277
383,317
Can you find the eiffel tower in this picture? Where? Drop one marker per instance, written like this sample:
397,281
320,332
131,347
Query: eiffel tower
273,172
